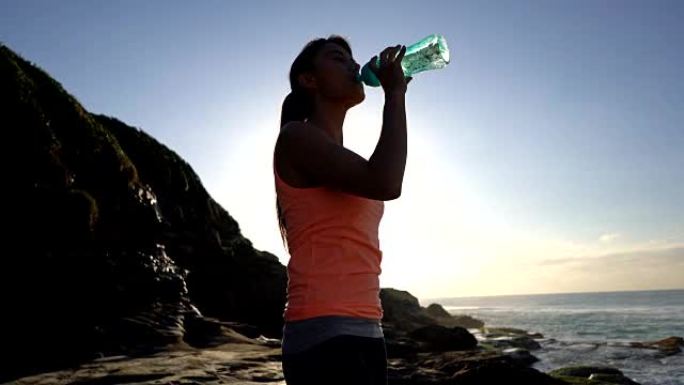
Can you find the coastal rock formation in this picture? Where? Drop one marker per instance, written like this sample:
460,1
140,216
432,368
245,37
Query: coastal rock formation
117,245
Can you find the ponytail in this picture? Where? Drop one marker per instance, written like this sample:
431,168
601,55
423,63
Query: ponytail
297,106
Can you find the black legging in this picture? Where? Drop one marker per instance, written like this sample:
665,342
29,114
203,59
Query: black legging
343,359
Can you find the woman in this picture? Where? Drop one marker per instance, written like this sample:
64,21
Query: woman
330,201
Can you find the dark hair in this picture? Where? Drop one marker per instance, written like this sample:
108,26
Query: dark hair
298,104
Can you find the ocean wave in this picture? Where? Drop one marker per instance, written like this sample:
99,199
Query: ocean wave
449,308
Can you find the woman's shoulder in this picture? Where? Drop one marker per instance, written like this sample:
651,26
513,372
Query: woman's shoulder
285,148
296,129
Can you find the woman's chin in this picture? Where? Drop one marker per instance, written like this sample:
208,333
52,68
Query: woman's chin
362,95
357,100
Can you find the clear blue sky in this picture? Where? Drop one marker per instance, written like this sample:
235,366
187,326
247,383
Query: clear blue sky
559,125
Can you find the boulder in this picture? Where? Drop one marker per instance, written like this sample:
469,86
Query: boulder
439,338
404,311
591,375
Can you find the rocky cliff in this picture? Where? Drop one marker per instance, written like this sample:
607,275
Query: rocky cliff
113,242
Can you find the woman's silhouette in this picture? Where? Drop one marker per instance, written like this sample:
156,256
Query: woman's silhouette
329,202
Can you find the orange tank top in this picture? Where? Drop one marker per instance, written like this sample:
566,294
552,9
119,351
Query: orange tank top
335,254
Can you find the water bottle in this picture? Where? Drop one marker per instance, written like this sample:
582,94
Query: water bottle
429,53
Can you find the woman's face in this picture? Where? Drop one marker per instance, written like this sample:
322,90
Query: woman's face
335,76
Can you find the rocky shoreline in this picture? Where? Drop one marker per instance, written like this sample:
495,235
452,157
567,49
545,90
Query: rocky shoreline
122,269
425,346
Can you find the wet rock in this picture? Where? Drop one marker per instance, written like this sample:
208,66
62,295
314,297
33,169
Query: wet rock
521,356
514,342
668,346
584,371
507,338
612,379
508,331
592,374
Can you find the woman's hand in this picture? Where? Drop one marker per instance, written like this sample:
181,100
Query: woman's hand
389,72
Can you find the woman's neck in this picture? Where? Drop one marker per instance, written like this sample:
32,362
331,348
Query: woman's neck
330,118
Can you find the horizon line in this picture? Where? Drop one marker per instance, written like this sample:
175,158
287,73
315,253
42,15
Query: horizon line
434,299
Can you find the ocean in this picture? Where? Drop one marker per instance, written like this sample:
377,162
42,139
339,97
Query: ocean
590,328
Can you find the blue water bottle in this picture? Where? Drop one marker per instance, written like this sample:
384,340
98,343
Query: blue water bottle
429,53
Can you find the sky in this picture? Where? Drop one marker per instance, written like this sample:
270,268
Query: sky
546,157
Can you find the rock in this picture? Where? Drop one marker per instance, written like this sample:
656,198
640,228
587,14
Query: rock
232,363
514,342
401,347
522,356
612,378
126,247
461,320
464,367
443,317
203,332
592,375
273,342
436,310
503,375
506,337
440,338
584,371
247,363
507,331
227,276
668,346
490,368
403,310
